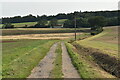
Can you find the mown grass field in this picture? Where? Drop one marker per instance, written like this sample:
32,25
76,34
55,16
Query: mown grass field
107,41
21,56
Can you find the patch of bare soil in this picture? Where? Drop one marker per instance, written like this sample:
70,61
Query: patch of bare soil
67,68
45,66
106,62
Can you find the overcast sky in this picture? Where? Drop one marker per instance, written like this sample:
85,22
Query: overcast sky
53,7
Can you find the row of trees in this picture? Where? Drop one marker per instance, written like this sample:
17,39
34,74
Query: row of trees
31,18
46,24
84,22
95,22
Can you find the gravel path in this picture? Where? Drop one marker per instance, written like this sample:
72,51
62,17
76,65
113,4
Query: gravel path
46,65
67,68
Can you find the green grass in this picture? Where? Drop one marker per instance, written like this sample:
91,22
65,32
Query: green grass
85,68
57,70
61,21
110,49
20,57
104,41
24,23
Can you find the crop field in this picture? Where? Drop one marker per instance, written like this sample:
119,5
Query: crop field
101,50
107,41
21,31
20,56
44,33
23,49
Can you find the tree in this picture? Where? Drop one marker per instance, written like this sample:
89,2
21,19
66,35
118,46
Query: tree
80,22
41,23
97,23
68,24
53,22
7,25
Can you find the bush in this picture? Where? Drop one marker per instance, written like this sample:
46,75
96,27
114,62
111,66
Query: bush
96,30
7,25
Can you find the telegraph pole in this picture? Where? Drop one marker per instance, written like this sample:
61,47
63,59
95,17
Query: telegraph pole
75,28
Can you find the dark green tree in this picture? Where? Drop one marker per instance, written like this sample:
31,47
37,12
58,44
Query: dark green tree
41,24
97,23
7,25
53,22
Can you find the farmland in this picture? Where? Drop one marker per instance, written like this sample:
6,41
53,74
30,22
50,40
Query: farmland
107,41
23,49
17,52
59,40
20,56
100,50
23,24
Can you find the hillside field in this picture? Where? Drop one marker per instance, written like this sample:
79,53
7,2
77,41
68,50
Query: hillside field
21,56
16,25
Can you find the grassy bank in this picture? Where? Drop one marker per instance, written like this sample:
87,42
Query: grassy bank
21,56
57,71
106,42
85,66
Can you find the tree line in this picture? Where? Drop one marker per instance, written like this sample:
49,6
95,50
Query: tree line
95,20
30,18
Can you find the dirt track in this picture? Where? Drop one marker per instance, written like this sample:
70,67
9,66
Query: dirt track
67,68
46,65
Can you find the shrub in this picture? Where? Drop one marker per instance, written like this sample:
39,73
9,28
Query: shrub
7,25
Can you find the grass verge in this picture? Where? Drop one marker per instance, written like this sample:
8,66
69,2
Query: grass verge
57,71
85,68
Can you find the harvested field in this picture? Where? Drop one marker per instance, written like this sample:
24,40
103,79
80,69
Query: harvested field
103,49
110,36
42,36
107,41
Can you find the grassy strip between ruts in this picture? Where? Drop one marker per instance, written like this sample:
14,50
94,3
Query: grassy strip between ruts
57,71
21,67
84,67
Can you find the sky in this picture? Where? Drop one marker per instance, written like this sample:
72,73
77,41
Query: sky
10,8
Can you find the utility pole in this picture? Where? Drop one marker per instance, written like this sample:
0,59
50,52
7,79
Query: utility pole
75,28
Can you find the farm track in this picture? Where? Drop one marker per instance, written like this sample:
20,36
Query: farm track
67,68
45,66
